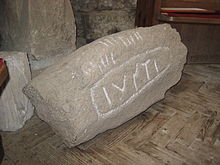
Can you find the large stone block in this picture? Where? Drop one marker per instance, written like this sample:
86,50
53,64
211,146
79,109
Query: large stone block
52,27
43,28
107,82
15,106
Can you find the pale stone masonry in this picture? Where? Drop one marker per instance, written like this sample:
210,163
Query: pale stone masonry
107,82
15,107
45,29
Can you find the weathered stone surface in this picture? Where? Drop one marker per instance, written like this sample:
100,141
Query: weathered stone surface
98,18
15,106
14,27
108,82
89,5
99,24
42,28
52,27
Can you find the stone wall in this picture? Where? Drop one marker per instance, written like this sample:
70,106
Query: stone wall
98,18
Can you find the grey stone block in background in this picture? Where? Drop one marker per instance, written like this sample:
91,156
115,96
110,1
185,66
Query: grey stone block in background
15,107
107,82
45,29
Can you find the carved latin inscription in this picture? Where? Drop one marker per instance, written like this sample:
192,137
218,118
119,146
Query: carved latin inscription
133,38
133,77
107,61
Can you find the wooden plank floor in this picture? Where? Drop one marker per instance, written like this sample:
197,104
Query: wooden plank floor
182,129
